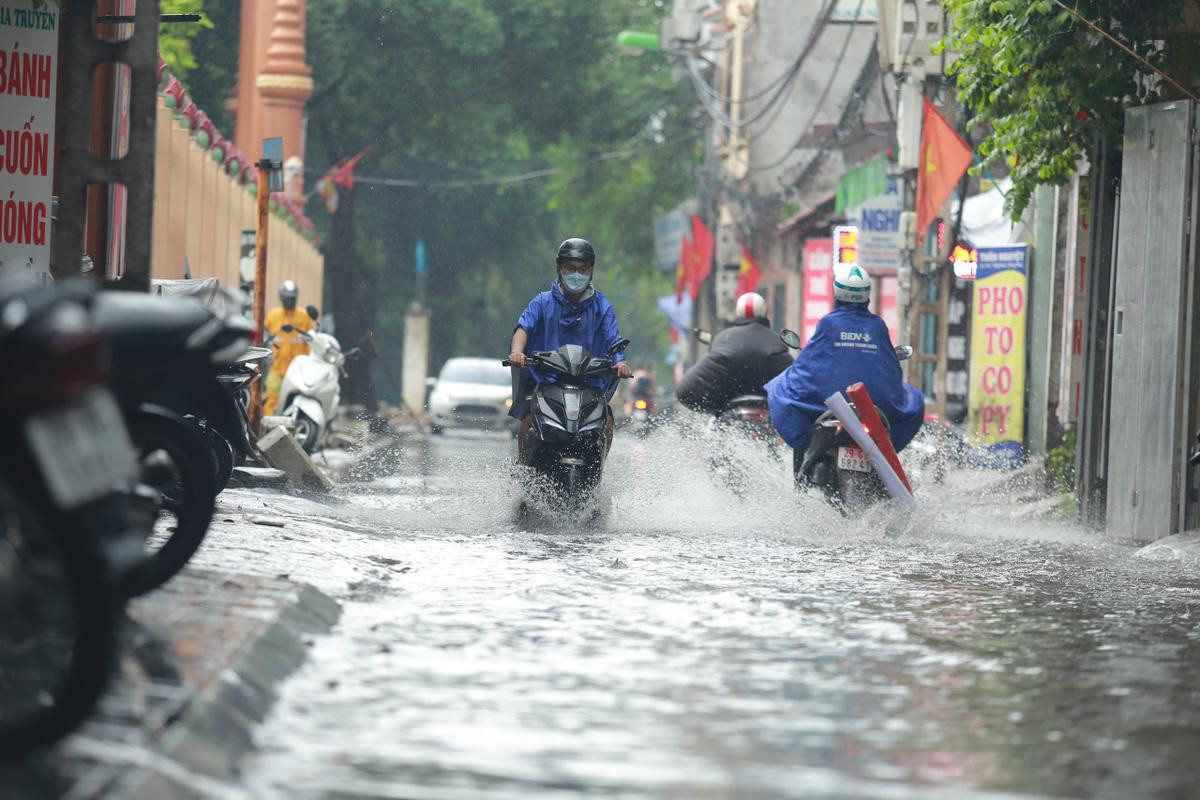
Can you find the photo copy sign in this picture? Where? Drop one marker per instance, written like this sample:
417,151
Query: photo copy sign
997,392
28,84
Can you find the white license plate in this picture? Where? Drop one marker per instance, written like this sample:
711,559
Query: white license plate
83,448
853,458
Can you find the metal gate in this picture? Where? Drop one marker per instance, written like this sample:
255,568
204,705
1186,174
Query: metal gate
1153,318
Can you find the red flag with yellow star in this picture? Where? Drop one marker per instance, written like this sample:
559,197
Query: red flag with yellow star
683,270
945,156
748,273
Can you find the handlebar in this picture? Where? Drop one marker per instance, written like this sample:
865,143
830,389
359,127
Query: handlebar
533,359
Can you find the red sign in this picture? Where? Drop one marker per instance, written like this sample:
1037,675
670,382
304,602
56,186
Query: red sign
817,272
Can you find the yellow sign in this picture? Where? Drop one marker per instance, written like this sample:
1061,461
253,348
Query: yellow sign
845,245
997,389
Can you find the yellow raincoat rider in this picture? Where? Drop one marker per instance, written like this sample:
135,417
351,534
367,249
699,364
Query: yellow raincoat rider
285,346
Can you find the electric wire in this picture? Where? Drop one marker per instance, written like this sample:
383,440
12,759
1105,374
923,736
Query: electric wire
707,94
857,96
833,76
502,180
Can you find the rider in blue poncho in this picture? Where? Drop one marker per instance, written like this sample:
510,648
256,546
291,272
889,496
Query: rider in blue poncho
572,312
850,345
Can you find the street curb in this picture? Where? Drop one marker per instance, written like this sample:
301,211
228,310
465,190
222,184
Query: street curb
215,732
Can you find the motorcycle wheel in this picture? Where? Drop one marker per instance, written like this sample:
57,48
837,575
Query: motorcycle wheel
188,495
58,626
306,432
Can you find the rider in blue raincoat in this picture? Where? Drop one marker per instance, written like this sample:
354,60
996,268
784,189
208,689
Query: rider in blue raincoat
572,312
850,345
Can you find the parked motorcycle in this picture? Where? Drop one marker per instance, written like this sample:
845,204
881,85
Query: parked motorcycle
237,379
167,355
67,542
311,390
836,465
569,417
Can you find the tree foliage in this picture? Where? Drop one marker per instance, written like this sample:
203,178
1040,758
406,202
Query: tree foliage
175,38
459,96
1043,86
473,91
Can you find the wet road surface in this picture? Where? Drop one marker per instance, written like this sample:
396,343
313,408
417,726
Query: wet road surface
694,645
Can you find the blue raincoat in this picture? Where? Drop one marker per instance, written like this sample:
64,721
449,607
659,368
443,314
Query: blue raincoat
551,320
850,345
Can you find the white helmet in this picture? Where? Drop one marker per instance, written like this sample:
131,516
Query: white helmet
851,284
751,305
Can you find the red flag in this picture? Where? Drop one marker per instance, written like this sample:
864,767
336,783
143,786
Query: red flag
703,245
748,273
683,270
944,159
343,175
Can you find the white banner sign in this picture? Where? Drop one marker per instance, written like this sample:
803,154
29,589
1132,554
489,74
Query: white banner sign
28,87
878,222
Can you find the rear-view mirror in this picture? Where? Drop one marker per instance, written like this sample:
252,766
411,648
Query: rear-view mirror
904,352
790,338
703,336
312,311
619,347
287,329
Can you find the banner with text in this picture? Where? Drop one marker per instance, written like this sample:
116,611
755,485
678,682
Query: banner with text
818,284
28,86
997,392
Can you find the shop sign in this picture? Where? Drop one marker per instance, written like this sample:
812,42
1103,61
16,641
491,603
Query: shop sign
28,88
878,222
818,284
965,260
668,237
996,416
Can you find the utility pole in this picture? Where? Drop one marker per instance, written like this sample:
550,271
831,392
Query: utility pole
270,175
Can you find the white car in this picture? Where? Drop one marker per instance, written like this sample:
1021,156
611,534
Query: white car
472,393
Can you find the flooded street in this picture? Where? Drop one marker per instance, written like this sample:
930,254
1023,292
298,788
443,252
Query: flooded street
699,646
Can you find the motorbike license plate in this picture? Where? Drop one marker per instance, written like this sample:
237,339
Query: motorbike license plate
853,458
83,448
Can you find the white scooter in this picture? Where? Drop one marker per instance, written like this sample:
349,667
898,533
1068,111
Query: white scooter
311,390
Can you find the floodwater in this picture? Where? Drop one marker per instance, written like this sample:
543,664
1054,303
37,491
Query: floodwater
699,645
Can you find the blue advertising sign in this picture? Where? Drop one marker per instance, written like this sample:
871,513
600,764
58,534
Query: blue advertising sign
668,238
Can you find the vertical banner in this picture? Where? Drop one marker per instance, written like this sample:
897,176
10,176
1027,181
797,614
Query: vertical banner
997,388
958,327
29,86
818,284
668,238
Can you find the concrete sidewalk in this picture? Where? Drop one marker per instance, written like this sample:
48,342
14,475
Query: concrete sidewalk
201,659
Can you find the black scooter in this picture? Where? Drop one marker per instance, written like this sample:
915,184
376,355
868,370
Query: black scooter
167,354
569,418
834,463
68,541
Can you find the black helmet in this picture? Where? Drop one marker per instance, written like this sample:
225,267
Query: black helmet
576,248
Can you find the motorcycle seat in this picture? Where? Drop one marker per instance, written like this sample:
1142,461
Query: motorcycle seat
139,325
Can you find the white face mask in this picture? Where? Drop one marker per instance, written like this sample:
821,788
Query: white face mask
575,282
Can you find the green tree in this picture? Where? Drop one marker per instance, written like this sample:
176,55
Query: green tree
460,90
210,55
1043,86
175,38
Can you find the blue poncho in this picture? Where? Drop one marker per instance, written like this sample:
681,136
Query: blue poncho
551,320
850,345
